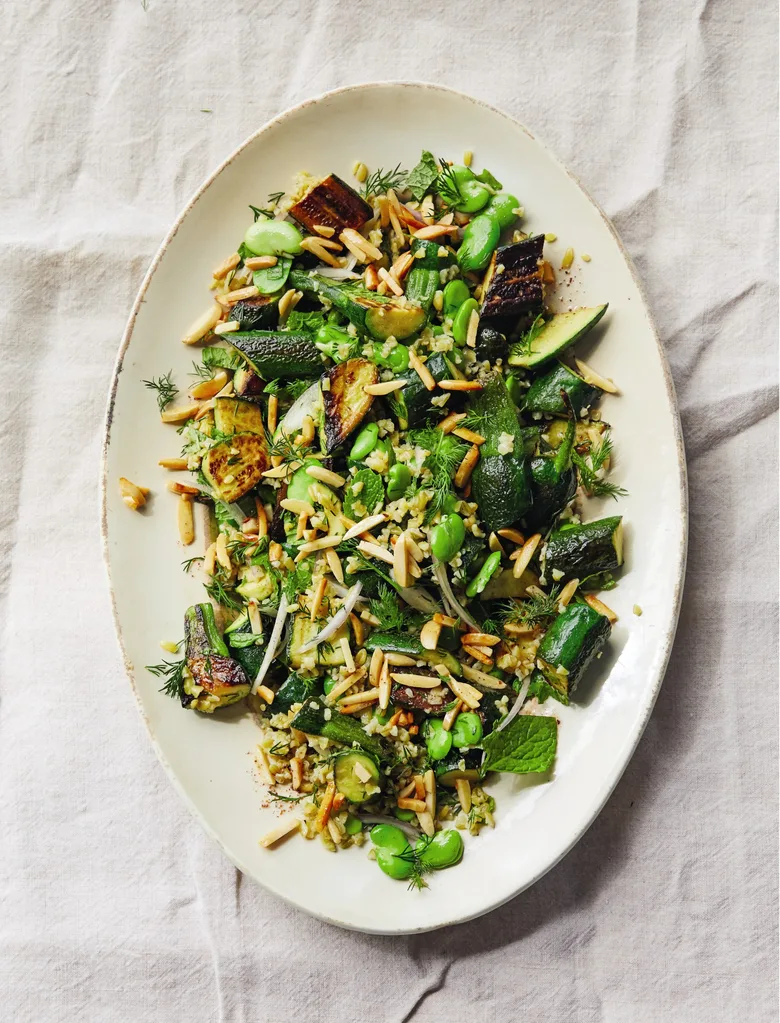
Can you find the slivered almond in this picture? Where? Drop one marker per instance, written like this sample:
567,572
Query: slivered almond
400,565
222,552
227,328
449,423
479,653
325,807
405,678
231,298
386,387
319,593
262,518
346,649
402,265
425,819
590,376
429,781
390,281
263,765
460,385
494,544
433,231
203,325
375,667
186,520
418,805
316,246
466,467
364,526
449,718
182,488
266,694
173,464
210,388
466,694
320,544
601,607
180,414
465,434
407,790
471,330
324,475
375,551
296,770
260,262
204,410
399,660
445,619
568,592
282,830
429,634
296,506
419,787
526,553
273,412
414,548
384,211
132,495
395,223
422,371
367,696
224,268
479,639
356,708
385,684
350,238
512,534
485,680
341,687
358,631
335,566
324,230
463,789
371,277
210,559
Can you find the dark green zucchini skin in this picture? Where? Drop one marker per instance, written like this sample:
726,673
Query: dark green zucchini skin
340,728
544,394
551,492
459,764
491,345
501,486
274,354
579,551
402,643
244,650
414,402
571,643
261,313
423,279
295,689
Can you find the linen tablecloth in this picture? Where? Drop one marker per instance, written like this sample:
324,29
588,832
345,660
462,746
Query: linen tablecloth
114,906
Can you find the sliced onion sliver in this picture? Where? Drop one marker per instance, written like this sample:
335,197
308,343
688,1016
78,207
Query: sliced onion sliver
340,273
273,643
377,818
342,591
337,620
516,706
301,407
418,598
453,605
235,510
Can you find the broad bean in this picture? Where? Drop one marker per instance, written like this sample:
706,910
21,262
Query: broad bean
398,479
467,730
502,207
460,323
445,849
480,238
447,537
482,578
273,238
365,442
438,741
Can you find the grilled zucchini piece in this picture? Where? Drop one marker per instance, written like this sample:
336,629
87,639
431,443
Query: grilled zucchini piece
238,415
271,354
459,764
232,467
246,381
569,645
356,776
585,549
372,314
558,334
344,400
215,679
514,280
261,313
312,720
544,394
332,203
329,654
413,403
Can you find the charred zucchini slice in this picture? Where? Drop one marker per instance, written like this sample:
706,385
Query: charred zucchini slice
271,354
261,313
544,394
569,645
344,399
332,203
515,280
303,630
246,381
558,333
372,314
356,775
459,764
215,680
232,467
238,415
312,720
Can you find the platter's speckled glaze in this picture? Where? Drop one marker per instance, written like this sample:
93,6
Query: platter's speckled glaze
209,759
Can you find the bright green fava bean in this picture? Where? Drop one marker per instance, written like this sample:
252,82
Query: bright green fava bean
502,207
474,193
398,479
405,815
454,295
482,578
460,322
447,537
328,684
387,447
467,730
395,867
389,839
480,239
513,386
272,238
352,825
445,849
365,442
451,503
438,741
398,359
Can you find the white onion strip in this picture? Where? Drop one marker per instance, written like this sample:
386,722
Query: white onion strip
440,575
273,643
516,706
301,407
339,619
340,273
377,818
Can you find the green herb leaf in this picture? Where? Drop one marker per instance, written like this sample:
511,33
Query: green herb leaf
307,322
381,180
371,494
447,185
165,387
423,177
526,746
173,673
535,610
221,358
541,689
393,617
524,346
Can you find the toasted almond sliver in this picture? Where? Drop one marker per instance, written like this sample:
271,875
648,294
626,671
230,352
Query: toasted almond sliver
334,564
429,781
231,298
371,277
262,518
405,678
317,248
174,464
210,388
399,660
340,688
325,807
463,788
260,262
400,564
366,696
466,693
375,551
180,414
419,787
390,281
429,634
445,619
266,694
512,534
375,666
286,827
133,495
324,230
224,268
473,327
526,553
423,372
425,820
466,467
448,424
297,507
321,544
479,639
485,680
385,387
319,472
227,328
465,434
433,231
601,607
479,653
590,376
460,385
186,520
407,790
449,718
515,629
494,544
364,526
385,684
346,649
418,805
273,412
203,325
568,592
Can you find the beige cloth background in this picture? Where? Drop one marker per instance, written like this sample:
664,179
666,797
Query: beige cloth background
113,904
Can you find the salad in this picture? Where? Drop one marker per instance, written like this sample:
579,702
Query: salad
394,462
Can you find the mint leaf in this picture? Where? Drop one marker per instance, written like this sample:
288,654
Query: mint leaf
369,495
422,178
526,746
541,689
221,358
308,322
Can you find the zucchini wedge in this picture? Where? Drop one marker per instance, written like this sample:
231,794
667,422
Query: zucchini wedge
373,314
303,630
424,280
569,645
514,280
331,203
544,394
558,334
295,689
215,679
238,415
274,354
398,643
504,585
356,775
344,400
457,765
552,491
579,551
261,313
413,403
312,720
233,467
246,381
